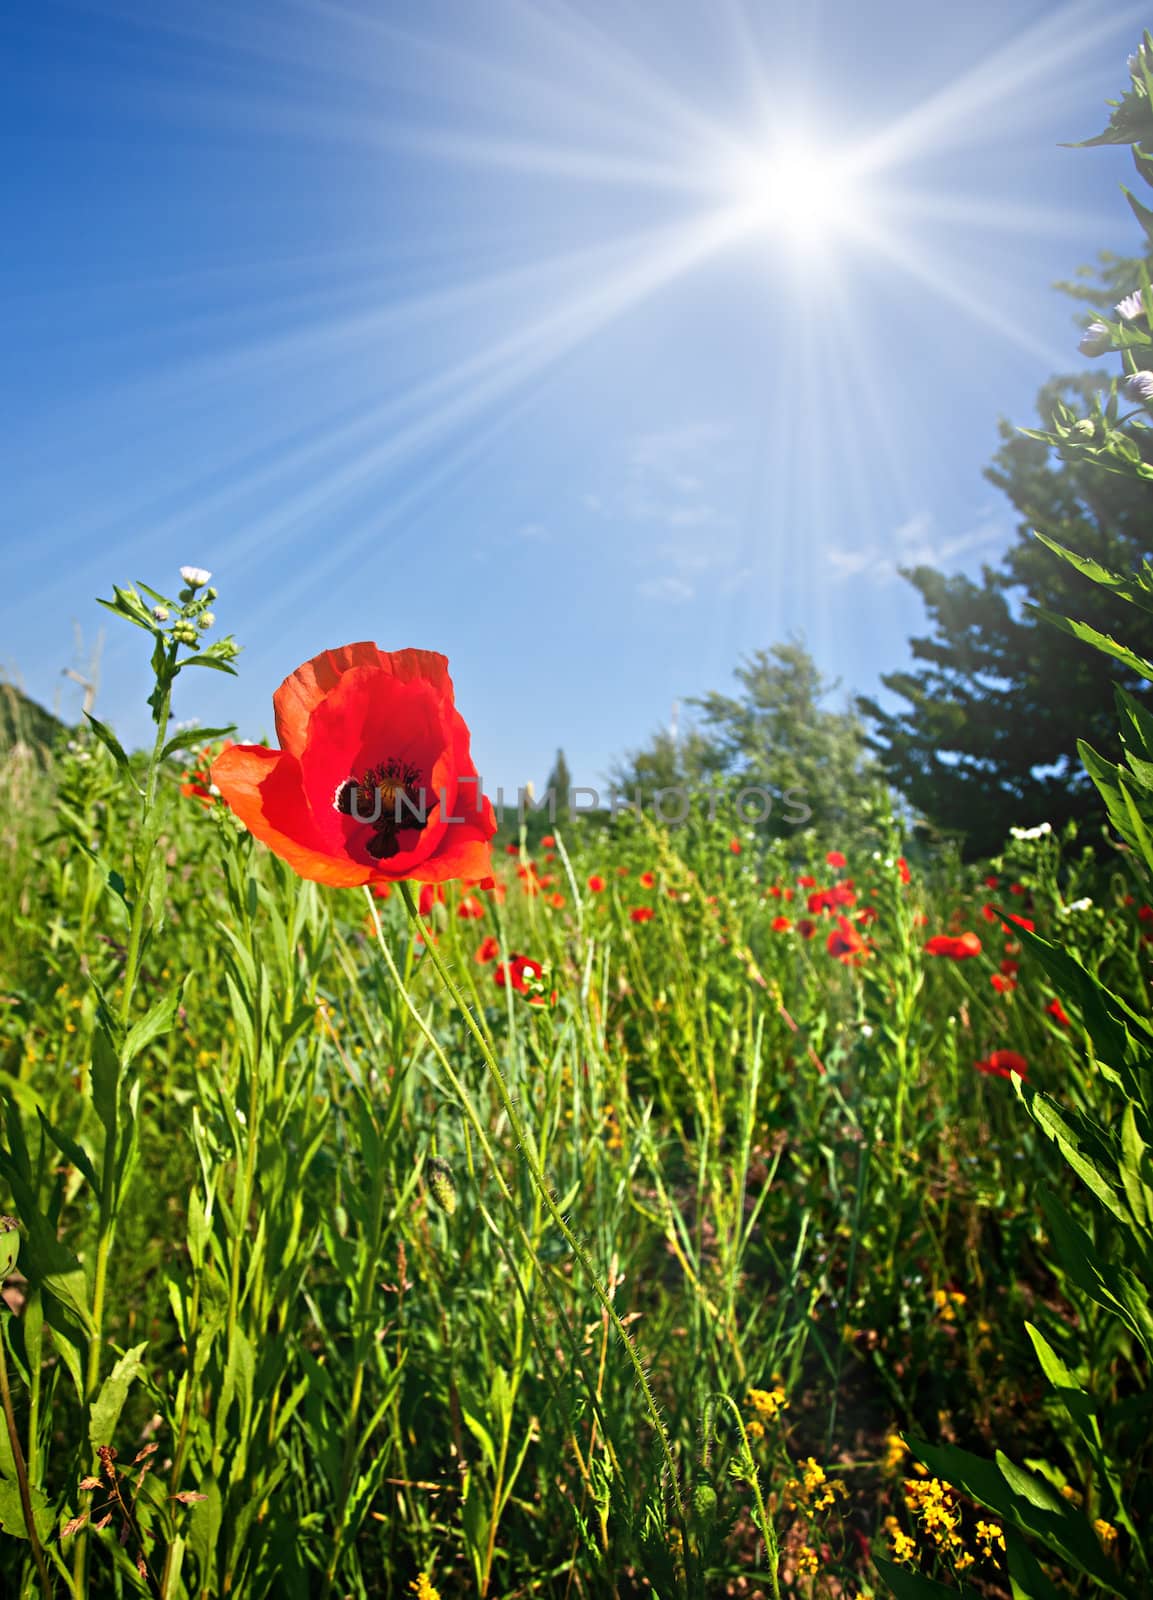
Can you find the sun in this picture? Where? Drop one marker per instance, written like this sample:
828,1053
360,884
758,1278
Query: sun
800,196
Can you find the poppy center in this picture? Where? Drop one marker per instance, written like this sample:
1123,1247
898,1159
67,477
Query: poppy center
388,798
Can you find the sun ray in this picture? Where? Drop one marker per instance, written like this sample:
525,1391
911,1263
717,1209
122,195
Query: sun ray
983,102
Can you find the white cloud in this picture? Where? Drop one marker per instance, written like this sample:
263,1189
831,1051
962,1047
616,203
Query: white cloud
673,591
916,542
673,483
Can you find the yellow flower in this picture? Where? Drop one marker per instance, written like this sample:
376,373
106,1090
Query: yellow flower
423,1587
895,1452
948,1302
767,1403
812,1491
1106,1532
755,1429
933,1505
988,1535
808,1562
902,1545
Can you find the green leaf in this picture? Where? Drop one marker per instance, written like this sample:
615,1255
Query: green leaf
909,1585
109,1403
150,1027
105,1080
1027,1581
210,661
12,1511
107,738
194,736
72,1151
1072,1133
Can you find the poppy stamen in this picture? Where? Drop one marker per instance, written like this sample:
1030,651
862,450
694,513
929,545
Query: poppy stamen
389,798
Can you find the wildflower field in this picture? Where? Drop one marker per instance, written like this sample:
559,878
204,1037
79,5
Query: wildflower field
589,1207
616,1222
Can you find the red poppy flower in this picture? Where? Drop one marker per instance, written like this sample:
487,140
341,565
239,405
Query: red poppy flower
903,869
1010,968
622,872
992,882
512,849
1145,913
1057,1011
381,891
522,973
365,733
846,943
597,883
470,907
641,914
806,929
1003,1063
1018,888
836,859
1002,984
198,779
841,894
958,947
781,924
806,882
431,894
735,846
647,880
548,842
1022,922
488,951
556,900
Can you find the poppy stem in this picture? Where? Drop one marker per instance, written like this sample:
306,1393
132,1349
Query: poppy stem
527,1147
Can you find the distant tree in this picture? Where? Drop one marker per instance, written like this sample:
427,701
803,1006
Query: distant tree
776,733
987,738
560,782
779,732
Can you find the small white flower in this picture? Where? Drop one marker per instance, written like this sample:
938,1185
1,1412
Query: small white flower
1139,386
1077,905
1131,307
1038,832
160,613
1096,340
195,577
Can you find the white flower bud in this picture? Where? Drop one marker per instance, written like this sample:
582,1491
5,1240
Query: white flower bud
205,621
1096,340
160,613
1139,386
195,577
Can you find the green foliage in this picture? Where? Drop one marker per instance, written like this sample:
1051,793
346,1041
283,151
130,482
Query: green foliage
986,737
776,733
1103,1249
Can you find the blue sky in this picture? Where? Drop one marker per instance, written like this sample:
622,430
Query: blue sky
594,344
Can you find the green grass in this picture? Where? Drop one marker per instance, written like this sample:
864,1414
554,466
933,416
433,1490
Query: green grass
347,1317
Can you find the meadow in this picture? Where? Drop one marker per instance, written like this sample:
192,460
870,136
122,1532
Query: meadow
617,1225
